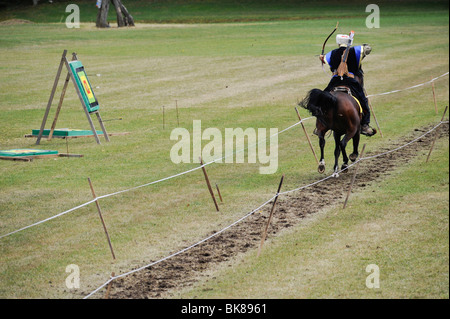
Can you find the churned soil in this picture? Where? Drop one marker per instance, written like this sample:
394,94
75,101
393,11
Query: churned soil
163,279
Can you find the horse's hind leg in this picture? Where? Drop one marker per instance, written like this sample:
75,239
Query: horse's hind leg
355,153
321,167
344,143
337,152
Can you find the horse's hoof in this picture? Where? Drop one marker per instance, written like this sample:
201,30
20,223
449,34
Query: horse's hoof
344,168
353,157
335,175
321,168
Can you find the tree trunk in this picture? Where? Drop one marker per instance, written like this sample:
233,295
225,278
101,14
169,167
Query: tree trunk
128,19
123,17
120,21
102,15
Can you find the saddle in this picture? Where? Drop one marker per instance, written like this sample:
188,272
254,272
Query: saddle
347,90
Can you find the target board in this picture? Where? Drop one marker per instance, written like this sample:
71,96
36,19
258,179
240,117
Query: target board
76,72
85,87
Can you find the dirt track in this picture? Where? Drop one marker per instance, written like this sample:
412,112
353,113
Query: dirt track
160,280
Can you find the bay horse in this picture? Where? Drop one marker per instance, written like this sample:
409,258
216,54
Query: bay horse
340,112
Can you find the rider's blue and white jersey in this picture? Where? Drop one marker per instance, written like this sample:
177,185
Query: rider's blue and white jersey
355,56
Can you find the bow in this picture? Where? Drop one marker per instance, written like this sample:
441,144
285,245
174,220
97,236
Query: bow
323,47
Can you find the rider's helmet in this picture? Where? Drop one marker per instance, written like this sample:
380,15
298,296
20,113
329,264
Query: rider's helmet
343,40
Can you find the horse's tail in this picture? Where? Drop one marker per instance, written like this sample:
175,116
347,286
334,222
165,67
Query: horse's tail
318,102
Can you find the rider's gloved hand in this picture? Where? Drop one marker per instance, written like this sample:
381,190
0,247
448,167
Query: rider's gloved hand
367,49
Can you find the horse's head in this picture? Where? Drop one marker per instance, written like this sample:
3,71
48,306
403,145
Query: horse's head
360,79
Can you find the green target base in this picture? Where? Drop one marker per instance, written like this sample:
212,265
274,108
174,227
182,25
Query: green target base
66,132
27,155
26,152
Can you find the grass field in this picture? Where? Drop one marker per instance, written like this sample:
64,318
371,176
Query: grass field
400,225
247,70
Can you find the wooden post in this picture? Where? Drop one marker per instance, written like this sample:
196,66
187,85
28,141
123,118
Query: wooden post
61,99
435,136
101,218
209,185
307,136
373,113
354,176
102,126
178,119
434,97
52,94
264,234
164,122
58,109
13,158
218,191
108,289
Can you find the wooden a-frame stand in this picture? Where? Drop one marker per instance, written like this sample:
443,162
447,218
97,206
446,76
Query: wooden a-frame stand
69,76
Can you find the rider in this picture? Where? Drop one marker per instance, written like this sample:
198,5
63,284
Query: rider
355,56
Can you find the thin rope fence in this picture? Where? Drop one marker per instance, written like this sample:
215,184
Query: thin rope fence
154,182
411,87
112,278
193,169
183,250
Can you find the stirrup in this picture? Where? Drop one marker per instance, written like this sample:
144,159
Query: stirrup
367,130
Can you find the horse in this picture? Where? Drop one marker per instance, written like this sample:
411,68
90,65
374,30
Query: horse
340,112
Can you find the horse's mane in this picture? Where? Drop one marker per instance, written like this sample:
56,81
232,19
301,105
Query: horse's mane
318,102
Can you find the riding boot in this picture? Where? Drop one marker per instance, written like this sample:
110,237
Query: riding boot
365,127
365,117
367,130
